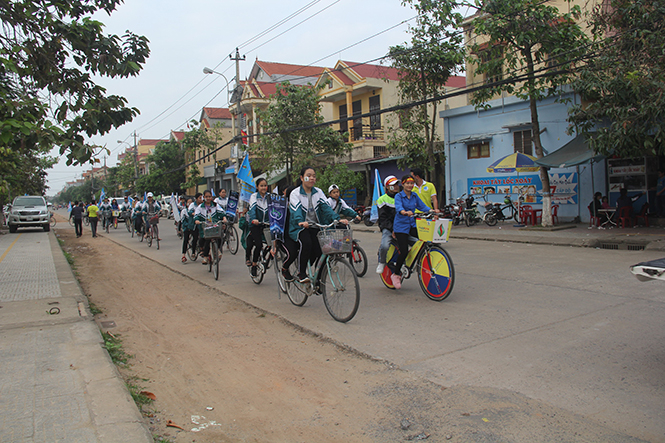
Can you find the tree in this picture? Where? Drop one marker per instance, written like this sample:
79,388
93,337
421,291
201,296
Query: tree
436,52
294,107
166,174
341,175
526,36
49,52
622,85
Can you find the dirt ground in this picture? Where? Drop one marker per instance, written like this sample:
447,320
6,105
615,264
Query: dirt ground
227,372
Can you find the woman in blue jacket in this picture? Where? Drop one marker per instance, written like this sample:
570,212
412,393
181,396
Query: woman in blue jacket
257,214
307,205
406,203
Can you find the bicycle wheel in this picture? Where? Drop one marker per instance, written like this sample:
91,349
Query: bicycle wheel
296,296
279,262
232,240
260,271
149,237
115,223
107,224
53,222
436,272
340,289
128,225
358,259
86,221
155,231
71,221
214,262
192,249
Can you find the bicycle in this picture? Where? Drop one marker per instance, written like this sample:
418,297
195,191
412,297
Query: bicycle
433,264
106,220
193,247
358,258
128,221
495,213
334,278
214,233
153,230
142,232
114,216
265,257
52,220
230,238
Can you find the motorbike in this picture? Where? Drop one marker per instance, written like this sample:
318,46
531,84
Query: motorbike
497,212
471,213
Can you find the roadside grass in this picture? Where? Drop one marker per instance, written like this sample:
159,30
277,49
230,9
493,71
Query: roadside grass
113,345
94,310
137,392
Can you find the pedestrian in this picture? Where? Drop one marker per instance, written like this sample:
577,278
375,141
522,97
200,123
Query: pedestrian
92,216
424,189
77,214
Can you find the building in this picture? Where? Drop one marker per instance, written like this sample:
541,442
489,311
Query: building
217,169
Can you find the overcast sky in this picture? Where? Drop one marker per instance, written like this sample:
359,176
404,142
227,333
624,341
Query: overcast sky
187,36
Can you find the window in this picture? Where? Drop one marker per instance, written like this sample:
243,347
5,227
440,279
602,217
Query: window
343,126
379,151
523,142
478,150
375,105
492,57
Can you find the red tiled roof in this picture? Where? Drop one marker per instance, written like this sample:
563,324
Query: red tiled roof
456,81
178,135
271,68
342,77
150,142
218,113
373,71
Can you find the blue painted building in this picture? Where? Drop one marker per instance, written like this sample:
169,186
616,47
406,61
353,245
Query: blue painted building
474,139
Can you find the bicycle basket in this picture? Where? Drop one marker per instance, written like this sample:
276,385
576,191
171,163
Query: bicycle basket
212,231
335,241
154,219
436,231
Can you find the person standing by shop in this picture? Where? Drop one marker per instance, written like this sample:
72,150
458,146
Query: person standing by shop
92,216
77,215
424,189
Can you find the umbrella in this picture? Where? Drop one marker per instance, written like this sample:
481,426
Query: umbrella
516,162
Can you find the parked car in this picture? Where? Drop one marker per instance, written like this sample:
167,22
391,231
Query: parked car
29,211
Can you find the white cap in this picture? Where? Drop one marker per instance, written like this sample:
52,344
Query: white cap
150,194
390,179
331,187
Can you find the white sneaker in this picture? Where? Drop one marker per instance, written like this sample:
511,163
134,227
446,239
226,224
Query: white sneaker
380,268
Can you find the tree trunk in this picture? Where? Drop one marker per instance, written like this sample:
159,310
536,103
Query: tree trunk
431,148
544,172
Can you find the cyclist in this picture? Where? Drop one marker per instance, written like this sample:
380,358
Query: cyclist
386,205
137,215
338,204
289,246
307,204
126,205
188,227
107,210
150,209
222,200
207,212
406,203
258,213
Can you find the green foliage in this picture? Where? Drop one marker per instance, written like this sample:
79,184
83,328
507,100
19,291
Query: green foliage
295,107
341,175
113,345
623,83
166,175
523,37
49,53
435,53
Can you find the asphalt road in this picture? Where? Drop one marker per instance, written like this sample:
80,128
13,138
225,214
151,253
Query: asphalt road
570,327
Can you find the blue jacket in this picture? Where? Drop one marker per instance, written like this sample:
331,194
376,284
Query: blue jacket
404,223
298,209
258,208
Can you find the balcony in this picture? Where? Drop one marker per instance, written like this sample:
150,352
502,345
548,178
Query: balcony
365,132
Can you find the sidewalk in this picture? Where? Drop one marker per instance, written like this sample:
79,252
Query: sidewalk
57,383
566,234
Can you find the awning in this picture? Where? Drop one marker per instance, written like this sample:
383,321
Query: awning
381,160
573,153
273,177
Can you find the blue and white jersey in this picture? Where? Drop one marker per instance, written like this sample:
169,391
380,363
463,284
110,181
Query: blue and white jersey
258,208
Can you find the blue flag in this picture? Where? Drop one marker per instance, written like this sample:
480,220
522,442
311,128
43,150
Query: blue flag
69,207
232,204
378,192
101,196
245,172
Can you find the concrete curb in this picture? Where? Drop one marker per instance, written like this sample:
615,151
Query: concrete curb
115,416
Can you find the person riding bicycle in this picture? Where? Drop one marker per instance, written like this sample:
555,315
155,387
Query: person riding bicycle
386,205
338,204
107,210
188,228
151,209
137,215
307,204
222,200
404,226
258,213
207,212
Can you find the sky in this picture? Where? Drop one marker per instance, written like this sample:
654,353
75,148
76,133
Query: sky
187,36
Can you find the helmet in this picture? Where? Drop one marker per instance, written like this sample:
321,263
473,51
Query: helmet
390,180
150,195
331,187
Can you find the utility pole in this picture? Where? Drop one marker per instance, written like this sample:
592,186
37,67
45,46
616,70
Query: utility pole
136,156
237,94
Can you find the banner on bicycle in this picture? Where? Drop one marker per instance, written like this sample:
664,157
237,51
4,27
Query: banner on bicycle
232,205
436,231
277,214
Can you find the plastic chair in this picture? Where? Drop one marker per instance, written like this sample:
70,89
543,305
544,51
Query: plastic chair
555,214
525,213
593,220
625,217
644,215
